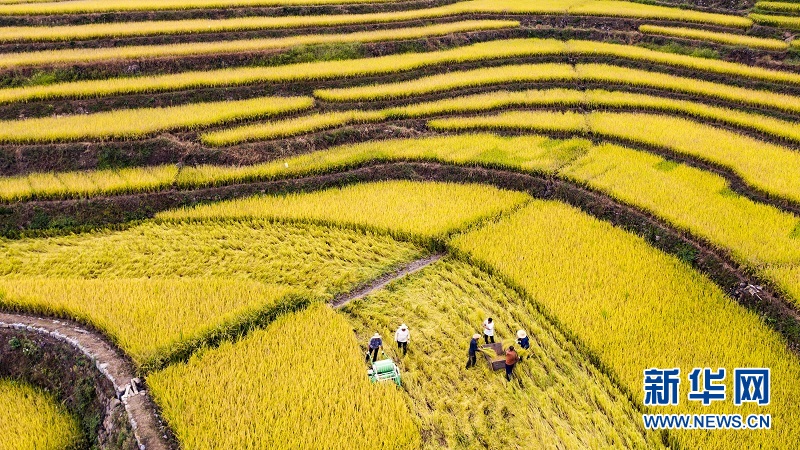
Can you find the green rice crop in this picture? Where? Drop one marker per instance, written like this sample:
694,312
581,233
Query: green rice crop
443,305
387,64
769,167
636,307
401,207
207,277
67,56
577,7
32,419
299,383
711,36
133,123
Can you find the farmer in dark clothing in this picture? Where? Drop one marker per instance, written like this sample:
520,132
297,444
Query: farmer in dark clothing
473,349
511,361
522,339
375,344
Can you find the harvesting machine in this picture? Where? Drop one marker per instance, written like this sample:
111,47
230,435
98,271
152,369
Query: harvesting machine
384,370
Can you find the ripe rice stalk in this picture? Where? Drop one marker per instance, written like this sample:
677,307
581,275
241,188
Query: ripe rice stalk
564,73
738,40
32,419
97,6
140,122
578,7
636,308
137,52
443,306
778,7
86,184
403,208
791,22
759,236
208,279
382,65
768,167
303,372
504,99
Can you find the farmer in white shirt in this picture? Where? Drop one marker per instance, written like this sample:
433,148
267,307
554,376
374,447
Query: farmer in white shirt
488,330
401,336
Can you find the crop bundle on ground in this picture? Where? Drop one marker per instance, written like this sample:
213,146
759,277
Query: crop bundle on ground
208,277
636,307
403,207
385,65
577,7
48,57
769,167
720,38
558,400
299,383
132,123
33,420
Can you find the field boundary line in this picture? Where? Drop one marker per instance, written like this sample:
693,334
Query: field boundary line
141,410
383,281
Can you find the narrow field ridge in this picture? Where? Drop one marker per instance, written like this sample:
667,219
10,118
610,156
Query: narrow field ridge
382,282
139,407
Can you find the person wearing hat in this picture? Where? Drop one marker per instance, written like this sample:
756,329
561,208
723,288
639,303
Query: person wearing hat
375,344
401,337
473,350
522,339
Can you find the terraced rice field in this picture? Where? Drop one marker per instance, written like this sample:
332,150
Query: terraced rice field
32,419
224,200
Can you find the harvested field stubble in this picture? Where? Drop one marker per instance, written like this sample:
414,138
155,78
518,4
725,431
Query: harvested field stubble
637,308
576,406
33,420
386,65
248,267
303,372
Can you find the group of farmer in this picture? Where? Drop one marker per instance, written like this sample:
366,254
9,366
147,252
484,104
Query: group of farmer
402,336
512,357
